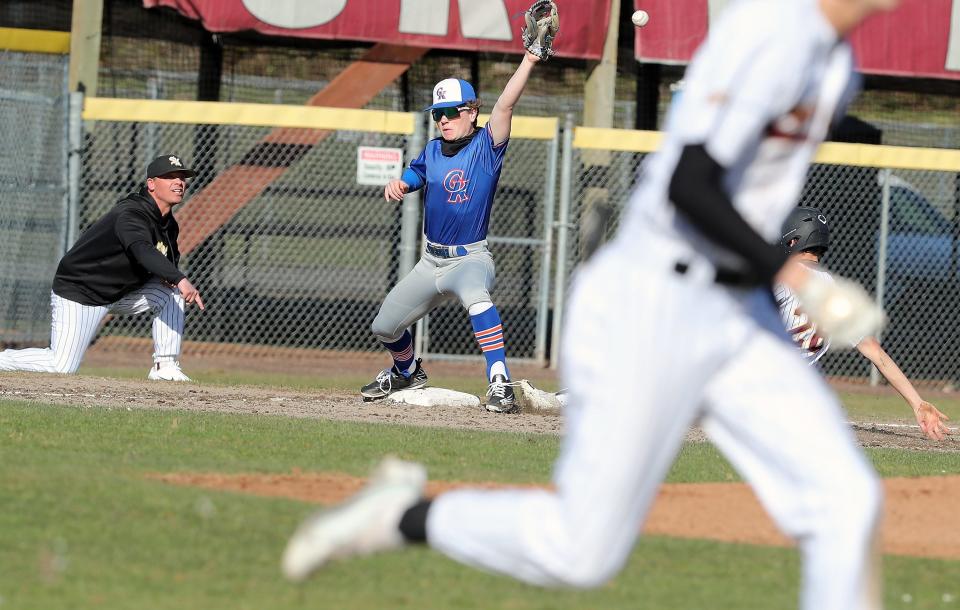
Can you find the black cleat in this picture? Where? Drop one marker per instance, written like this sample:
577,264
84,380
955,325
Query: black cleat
500,398
389,381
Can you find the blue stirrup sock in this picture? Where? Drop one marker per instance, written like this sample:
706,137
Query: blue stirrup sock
488,330
402,352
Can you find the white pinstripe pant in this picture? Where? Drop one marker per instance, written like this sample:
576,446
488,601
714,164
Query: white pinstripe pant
74,326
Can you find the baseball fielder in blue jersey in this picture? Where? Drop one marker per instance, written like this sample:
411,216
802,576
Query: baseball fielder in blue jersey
458,172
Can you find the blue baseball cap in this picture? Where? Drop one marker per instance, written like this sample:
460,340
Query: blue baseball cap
452,92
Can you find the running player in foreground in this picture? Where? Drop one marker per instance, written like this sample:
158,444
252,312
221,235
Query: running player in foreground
806,236
679,307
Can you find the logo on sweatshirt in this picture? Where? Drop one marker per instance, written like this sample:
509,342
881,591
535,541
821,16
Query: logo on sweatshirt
161,248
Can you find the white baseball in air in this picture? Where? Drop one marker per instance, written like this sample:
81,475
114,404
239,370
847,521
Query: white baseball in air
640,18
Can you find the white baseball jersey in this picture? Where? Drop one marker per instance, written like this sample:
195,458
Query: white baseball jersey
760,95
802,330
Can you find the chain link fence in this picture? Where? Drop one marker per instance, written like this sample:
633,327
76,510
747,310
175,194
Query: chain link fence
897,231
289,250
304,261
33,189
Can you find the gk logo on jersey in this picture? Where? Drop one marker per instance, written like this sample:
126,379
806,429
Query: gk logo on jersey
455,184
161,248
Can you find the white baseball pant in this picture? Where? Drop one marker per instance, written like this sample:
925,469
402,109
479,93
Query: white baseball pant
646,352
74,325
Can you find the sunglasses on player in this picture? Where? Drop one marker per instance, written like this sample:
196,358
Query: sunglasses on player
451,112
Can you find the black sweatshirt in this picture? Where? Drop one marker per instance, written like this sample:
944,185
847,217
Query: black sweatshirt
120,252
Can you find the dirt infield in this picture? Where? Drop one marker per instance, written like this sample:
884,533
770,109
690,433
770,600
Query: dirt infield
919,518
85,391
89,391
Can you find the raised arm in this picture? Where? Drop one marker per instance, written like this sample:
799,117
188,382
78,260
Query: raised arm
501,116
930,419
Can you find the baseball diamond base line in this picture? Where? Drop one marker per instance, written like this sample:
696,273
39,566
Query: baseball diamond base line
916,521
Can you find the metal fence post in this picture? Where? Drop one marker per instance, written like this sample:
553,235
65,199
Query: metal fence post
410,208
882,253
410,221
549,197
74,151
563,228
65,157
422,342
151,139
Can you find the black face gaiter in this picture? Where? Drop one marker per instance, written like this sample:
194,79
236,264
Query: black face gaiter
452,147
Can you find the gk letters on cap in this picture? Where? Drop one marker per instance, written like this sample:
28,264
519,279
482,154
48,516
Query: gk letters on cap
452,92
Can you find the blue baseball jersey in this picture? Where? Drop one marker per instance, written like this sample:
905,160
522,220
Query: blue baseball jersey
459,190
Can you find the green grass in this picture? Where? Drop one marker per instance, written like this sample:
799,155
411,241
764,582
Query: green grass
865,406
293,381
81,527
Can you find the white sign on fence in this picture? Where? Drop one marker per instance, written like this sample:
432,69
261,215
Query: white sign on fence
378,166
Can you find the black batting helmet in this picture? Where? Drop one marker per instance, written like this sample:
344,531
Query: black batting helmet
805,229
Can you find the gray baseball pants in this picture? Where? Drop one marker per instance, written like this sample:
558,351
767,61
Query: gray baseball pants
469,278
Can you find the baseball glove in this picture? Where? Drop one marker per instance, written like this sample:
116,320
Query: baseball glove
542,24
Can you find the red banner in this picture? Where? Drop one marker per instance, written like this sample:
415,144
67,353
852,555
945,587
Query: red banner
470,25
914,40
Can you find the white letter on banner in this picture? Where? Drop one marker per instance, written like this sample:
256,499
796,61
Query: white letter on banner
295,14
714,8
953,50
487,20
424,17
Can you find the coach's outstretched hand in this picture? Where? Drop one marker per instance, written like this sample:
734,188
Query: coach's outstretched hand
395,190
190,293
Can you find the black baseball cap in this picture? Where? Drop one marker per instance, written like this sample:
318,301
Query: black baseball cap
167,164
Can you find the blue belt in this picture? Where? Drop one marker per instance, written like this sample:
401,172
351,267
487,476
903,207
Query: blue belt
441,251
